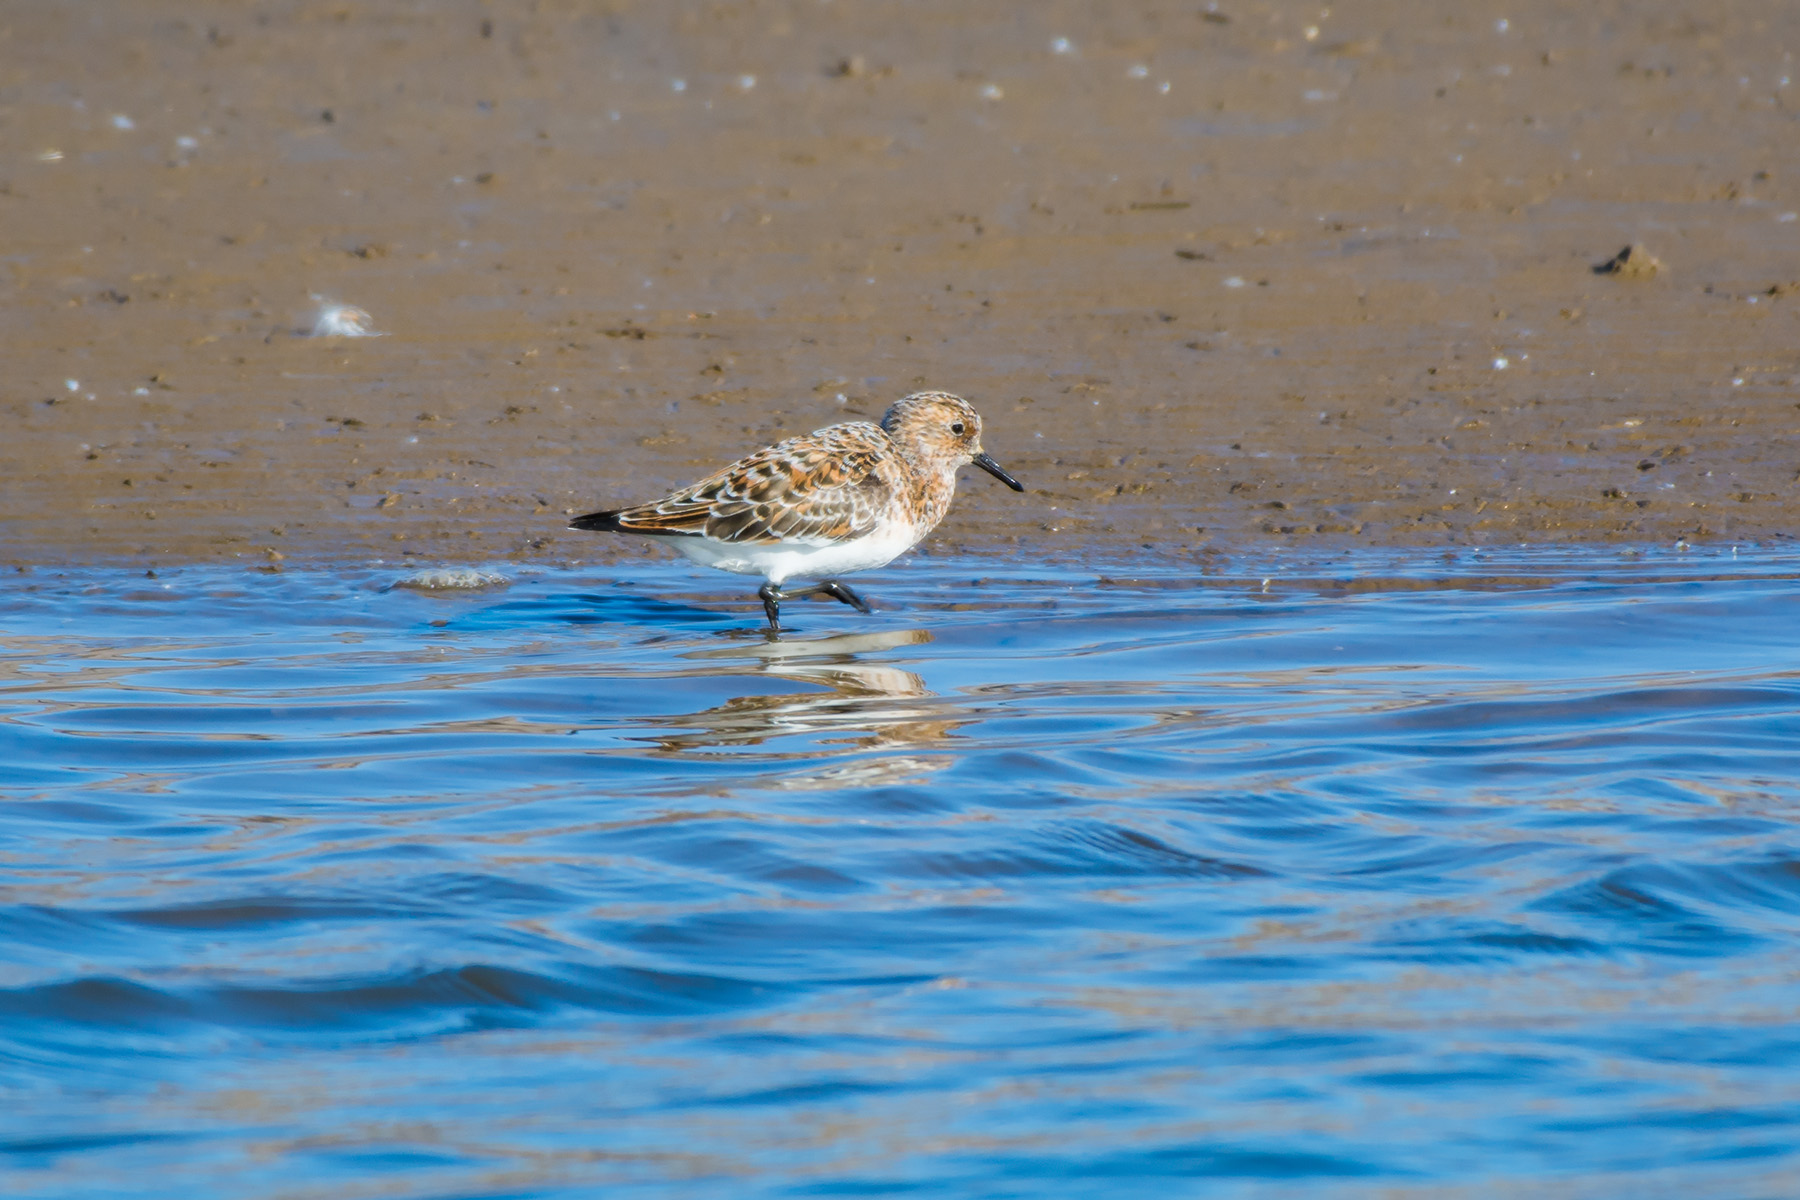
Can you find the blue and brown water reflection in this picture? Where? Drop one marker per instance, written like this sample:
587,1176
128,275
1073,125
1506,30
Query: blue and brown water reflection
1387,877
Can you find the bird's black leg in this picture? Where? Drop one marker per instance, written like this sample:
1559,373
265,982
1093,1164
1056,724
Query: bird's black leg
834,589
772,597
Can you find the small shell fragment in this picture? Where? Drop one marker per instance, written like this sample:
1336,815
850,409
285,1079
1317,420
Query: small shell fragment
1633,262
341,320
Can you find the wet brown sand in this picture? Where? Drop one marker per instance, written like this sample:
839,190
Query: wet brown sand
1218,279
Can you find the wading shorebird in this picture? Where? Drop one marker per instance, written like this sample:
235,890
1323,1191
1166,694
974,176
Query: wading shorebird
848,497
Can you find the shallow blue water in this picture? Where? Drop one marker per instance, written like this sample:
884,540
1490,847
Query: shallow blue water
1392,876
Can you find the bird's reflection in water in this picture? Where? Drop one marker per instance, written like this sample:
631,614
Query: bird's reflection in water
866,704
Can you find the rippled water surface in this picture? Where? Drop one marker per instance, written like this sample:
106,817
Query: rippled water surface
1389,876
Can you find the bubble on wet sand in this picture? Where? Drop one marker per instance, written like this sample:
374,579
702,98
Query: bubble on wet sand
450,579
340,320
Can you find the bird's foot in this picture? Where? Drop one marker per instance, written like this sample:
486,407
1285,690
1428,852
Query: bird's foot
773,596
843,594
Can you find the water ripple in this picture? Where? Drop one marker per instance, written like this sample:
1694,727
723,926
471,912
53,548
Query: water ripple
1361,876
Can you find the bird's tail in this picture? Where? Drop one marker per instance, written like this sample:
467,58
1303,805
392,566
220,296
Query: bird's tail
598,522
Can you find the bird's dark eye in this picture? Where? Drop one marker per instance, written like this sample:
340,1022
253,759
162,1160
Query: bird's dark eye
956,427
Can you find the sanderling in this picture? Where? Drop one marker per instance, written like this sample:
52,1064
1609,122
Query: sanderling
849,497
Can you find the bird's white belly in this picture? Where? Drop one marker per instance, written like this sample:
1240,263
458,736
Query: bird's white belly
776,561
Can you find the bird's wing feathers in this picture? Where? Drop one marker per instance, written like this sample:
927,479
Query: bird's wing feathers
828,486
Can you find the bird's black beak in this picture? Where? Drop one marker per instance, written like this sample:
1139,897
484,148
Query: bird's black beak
993,468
